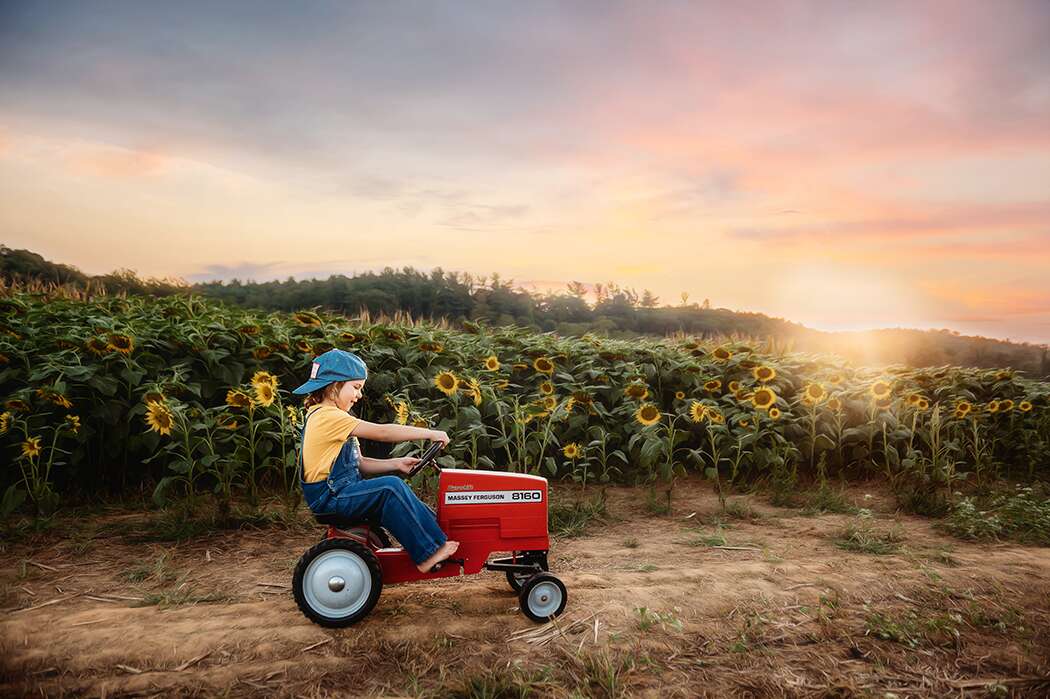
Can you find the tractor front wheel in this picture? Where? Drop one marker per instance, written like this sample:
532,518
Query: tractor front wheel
542,597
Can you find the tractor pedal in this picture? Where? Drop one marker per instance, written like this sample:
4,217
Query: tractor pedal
438,566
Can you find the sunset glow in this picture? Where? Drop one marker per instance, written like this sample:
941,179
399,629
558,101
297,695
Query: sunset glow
845,166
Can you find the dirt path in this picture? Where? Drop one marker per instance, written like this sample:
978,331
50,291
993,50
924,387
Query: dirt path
675,605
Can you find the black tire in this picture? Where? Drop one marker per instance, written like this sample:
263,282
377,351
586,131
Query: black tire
516,580
343,559
542,597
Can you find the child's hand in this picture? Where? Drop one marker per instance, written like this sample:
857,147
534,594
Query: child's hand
404,464
438,436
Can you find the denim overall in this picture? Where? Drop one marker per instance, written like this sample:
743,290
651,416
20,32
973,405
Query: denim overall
387,499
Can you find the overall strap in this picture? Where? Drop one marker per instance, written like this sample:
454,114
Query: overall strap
302,445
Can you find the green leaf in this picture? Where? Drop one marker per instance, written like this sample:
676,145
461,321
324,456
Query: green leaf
13,499
161,491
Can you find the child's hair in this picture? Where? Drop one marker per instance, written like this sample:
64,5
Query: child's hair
318,396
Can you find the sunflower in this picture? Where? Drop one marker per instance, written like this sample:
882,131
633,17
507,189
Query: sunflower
474,390
5,421
351,338
774,413
17,405
743,423
647,414
236,398
880,390
546,388
571,450
763,398
696,411
722,354
742,395
1024,406
883,403
302,346
420,422
159,418
492,363
963,407
264,377
432,347
1002,375
993,406
264,393
153,397
97,346
712,386
262,352
543,365
814,393
307,319
31,447
637,391
835,379
73,421
1006,405
293,416
679,395
401,413
121,343
447,383
923,404
835,404
229,422
764,373
550,403
502,384
249,330
582,397
53,396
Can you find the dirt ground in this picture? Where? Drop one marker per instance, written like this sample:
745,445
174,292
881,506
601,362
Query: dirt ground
691,603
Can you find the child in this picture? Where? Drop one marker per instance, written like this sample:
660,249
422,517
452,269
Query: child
332,469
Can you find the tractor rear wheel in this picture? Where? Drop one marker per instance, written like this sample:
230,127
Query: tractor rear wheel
337,582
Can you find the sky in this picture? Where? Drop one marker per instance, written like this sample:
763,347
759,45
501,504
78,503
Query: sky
843,165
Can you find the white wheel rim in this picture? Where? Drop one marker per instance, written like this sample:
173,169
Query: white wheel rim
544,599
337,583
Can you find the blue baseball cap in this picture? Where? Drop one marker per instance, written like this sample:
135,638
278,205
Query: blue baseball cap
333,365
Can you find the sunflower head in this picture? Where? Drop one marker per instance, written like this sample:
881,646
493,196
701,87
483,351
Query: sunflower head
923,404
835,379
73,423
763,398
250,330
31,447
993,406
159,418
262,352
550,403
835,405
963,407
880,390
229,422
474,390
814,393
264,377
722,354
636,390
153,397
743,423
264,393
1024,406
1002,375
432,347
293,416
302,345
121,343
544,365
713,386
97,346
647,414
1006,404
420,422
697,411
401,413
734,386
546,388
571,450
492,363
5,421
17,405
502,384
307,319
447,383
236,398
774,413
679,395
764,373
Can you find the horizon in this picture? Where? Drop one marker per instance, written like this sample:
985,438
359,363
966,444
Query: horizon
847,168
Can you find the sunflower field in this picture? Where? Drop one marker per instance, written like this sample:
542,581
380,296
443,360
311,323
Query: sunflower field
185,396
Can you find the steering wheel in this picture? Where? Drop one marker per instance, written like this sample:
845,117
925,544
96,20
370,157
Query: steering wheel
427,459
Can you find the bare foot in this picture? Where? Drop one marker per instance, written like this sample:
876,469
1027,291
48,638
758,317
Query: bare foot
441,554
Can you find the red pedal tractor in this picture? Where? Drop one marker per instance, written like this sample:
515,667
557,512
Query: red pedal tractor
338,581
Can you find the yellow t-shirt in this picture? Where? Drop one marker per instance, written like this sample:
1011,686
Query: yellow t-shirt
326,433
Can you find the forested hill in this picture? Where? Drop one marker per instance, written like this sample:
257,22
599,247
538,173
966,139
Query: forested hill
613,310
